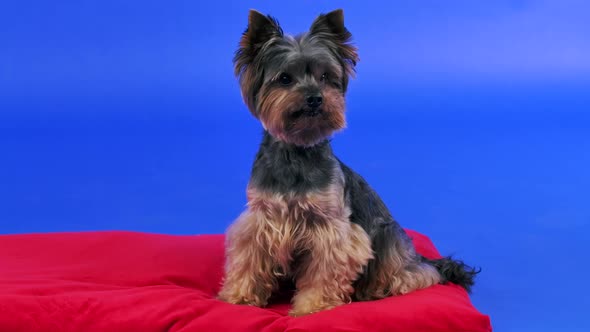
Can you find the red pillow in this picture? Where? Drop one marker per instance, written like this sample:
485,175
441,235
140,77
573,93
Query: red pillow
125,281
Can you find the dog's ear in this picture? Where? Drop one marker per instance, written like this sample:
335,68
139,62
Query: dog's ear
330,27
330,23
261,29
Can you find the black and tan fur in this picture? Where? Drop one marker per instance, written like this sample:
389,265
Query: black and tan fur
310,218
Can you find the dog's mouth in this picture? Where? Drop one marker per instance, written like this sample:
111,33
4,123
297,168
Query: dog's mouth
307,113
307,126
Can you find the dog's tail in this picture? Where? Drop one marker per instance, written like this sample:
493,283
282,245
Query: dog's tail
454,271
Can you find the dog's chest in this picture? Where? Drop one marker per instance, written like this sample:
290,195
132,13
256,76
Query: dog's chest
289,222
297,211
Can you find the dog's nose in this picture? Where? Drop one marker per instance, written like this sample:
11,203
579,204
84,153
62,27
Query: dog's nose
314,101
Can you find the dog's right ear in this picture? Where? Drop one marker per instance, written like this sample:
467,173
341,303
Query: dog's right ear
261,29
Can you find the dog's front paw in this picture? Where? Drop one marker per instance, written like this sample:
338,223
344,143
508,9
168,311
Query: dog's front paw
309,302
302,310
238,296
242,300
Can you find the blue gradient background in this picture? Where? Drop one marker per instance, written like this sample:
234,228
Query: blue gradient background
471,118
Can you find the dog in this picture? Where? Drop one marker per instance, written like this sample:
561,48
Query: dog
310,218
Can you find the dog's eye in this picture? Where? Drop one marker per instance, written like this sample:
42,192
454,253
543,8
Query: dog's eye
324,77
285,79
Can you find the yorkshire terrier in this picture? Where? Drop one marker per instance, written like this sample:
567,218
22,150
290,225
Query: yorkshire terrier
310,218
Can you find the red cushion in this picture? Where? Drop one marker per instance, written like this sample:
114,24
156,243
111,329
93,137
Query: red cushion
125,281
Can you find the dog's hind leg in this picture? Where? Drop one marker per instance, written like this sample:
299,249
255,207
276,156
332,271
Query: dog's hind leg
397,269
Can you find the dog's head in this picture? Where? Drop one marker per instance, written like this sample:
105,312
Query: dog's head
295,85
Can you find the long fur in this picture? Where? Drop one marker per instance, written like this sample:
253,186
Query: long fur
310,218
454,271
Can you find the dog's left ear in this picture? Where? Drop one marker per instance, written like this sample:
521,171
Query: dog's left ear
331,27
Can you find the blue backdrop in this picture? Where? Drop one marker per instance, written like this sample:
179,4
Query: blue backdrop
470,118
